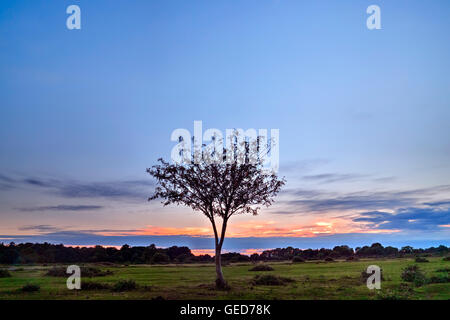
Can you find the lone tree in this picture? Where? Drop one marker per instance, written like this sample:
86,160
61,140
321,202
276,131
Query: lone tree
218,190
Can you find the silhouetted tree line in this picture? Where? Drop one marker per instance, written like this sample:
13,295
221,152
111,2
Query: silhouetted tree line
376,250
51,253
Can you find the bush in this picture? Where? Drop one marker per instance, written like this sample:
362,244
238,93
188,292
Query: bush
261,267
440,279
446,258
329,259
4,273
298,259
420,259
91,285
392,295
414,274
85,272
443,270
351,258
30,288
160,258
270,280
124,285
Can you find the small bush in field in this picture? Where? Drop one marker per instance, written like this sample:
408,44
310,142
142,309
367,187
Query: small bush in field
414,274
30,288
85,272
298,259
4,273
261,267
443,270
91,285
352,259
329,259
124,285
270,280
446,258
440,279
420,259
392,295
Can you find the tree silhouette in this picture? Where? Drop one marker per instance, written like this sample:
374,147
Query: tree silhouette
219,190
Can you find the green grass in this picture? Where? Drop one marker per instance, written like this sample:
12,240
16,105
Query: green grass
313,280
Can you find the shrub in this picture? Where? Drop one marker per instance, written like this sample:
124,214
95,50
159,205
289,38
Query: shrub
30,288
413,274
420,259
329,259
261,267
440,279
298,259
85,272
392,295
91,285
124,285
443,270
446,258
351,258
159,258
270,280
4,273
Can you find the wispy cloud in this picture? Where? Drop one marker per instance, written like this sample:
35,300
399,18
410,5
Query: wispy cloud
407,219
67,188
39,228
333,177
63,208
303,200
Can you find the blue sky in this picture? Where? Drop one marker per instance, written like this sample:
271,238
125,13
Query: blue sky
363,115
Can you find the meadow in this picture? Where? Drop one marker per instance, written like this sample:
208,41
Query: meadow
309,280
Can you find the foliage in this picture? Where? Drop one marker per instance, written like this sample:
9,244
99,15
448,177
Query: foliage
85,272
50,253
414,274
4,273
390,294
440,279
160,258
92,285
271,280
261,267
30,288
352,259
420,260
124,285
298,259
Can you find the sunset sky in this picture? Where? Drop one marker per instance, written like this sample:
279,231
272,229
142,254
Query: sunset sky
364,118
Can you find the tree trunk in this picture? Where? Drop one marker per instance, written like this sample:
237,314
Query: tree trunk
220,281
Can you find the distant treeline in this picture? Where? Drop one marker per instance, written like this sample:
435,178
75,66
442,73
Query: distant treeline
51,253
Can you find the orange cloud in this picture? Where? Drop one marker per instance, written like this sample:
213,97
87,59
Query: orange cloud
258,228
171,231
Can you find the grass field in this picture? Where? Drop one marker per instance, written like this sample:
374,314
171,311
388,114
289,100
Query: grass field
313,280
